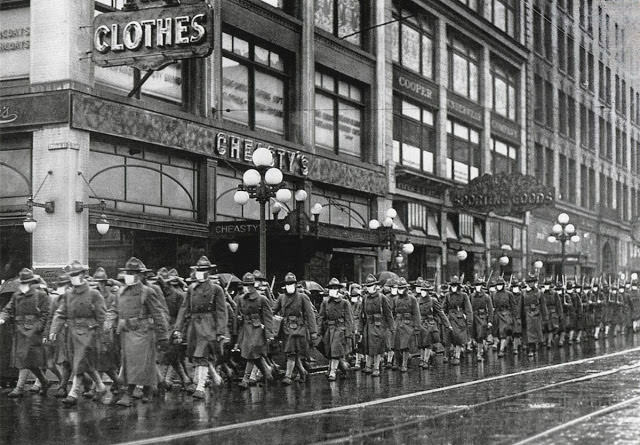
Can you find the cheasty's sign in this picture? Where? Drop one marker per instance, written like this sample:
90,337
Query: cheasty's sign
152,37
503,194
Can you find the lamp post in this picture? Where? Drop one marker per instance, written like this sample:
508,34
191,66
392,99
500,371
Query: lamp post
400,248
563,232
262,183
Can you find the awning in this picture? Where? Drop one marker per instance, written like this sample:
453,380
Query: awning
152,224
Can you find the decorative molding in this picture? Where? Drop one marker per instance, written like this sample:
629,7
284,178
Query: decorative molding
348,50
281,18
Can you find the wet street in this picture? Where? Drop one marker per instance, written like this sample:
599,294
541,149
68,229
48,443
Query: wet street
588,393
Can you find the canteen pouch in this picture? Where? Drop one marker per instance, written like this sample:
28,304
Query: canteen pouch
255,320
293,322
377,319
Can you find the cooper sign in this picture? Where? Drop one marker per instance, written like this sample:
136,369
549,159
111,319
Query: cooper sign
149,38
503,194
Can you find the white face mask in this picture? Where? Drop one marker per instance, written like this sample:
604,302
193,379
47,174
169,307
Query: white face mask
129,279
61,290
24,287
546,287
499,288
401,291
354,299
423,293
394,291
454,288
634,287
201,276
622,291
76,280
595,289
290,288
371,289
516,290
478,288
333,293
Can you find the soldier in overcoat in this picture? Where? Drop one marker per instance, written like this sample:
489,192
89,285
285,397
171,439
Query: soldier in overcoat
599,308
206,307
142,326
553,303
458,309
109,350
516,308
56,351
634,300
431,316
83,310
355,299
376,320
28,309
407,317
298,327
482,308
503,315
254,321
336,326
535,312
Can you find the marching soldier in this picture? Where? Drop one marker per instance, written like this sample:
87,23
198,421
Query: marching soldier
57,351
206,308
482,308
611,310
336,326
430,314
407,316
28,309
579,303
83,310
600,299
570,312
553,303
356,310
376,320
109,349
458,309
516,307
634,299
535,312
141,324
255,328
503,315
298,327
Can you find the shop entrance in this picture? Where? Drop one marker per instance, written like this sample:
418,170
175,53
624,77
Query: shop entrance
15,251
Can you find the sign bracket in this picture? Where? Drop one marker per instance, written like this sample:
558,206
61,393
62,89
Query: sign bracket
138,85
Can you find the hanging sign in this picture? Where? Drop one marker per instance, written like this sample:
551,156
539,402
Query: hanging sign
153,37
504,194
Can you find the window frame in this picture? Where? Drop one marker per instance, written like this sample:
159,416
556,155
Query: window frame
470,146
468,56
424,22
336,23
398,102
511,79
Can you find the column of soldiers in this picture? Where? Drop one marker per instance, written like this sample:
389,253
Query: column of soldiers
151,332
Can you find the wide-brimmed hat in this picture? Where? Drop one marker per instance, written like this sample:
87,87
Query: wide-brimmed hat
402,282
334,283
27,276
391,282
289,278
259,275
61,280
100,275
133,264
76,268
454,280
532,278
370,280
249,278
203,264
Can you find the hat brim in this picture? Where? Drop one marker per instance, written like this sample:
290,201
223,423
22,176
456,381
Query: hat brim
33,279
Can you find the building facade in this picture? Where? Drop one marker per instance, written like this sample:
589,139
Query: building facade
585,122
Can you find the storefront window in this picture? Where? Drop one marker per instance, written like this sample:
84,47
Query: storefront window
413,135
342,209
342,18
254,85
463,152
141,180
502,13
504,157
15,37
413,42
504,91
463,68
15,170
338,115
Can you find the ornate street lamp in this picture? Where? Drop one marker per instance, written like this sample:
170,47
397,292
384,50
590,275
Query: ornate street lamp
386,226
563,232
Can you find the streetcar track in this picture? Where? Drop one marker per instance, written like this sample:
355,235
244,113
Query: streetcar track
475,406
578,420
294,416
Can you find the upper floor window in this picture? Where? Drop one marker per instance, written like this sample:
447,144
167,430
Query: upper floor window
502,14
504,157
472,4
504,91
414,137
413,42
463,69
463,152
254,85
338,115
342,18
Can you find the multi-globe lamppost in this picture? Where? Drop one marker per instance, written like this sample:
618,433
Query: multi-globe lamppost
395,246
563,232
262,184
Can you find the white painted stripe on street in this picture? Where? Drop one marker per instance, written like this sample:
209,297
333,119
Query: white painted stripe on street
461,409
257,422
578,420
